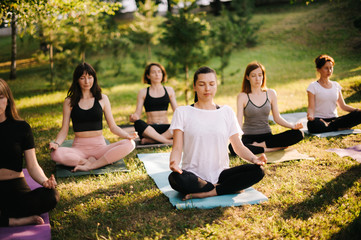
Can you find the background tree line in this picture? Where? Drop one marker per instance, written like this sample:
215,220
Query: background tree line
183,39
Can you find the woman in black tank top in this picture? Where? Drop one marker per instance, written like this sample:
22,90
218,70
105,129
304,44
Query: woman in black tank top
155,99
85,106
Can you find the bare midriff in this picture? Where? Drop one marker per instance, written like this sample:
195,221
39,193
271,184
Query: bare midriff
7,174
157,117
88,134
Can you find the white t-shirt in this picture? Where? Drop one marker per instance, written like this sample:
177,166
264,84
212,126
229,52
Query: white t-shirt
325,99
206,137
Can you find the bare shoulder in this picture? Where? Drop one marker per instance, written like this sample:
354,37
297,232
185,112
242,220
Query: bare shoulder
169,89
271,93
142,92
67,102
105,97
242,97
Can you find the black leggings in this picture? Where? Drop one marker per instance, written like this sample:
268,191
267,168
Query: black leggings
333,124
230,180
283,139
17,200
140,127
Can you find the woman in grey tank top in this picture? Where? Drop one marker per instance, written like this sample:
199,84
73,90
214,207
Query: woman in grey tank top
254,104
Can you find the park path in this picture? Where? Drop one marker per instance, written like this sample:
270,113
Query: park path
5,32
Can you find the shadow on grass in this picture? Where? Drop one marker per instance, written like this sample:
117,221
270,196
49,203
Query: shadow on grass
132,210
319,201
350,232
356,97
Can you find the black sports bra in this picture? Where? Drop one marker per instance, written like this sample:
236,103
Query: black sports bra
152,104
87,120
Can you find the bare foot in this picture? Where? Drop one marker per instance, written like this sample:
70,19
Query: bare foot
240,191
273,149
82,162
151,141
32,220
147,141
91,159
85,167
326,123
211,193
257,144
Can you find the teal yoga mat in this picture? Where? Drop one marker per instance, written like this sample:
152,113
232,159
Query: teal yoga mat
157,167
65,171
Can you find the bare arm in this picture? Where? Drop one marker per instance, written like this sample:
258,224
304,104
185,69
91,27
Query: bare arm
244,152
140,102
176,154
276,114
64,127
311,106
36,172
341,103
114,128
172,97
241,103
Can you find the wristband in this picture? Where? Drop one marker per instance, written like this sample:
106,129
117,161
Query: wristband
56,143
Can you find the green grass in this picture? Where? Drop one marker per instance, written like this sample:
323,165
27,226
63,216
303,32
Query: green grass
317,199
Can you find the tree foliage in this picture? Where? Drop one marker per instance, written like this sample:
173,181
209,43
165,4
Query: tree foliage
145,28
185,35
231,31
14,12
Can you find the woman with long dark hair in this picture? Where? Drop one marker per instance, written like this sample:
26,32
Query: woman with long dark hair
18,204
85,106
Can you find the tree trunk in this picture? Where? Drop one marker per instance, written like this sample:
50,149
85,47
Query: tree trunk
222,76
169,4
51,59
149,48
13,47
187,85
216,7
83,56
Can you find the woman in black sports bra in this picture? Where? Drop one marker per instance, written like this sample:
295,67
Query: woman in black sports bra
85,105
155,99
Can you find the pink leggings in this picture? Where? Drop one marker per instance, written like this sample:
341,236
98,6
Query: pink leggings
83,148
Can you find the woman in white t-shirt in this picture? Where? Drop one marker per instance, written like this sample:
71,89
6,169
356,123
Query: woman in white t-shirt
201,132
323,97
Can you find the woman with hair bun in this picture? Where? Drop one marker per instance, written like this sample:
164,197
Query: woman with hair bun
323,97
155,99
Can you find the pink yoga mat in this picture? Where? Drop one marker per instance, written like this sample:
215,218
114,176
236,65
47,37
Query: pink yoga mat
353,152
28,232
